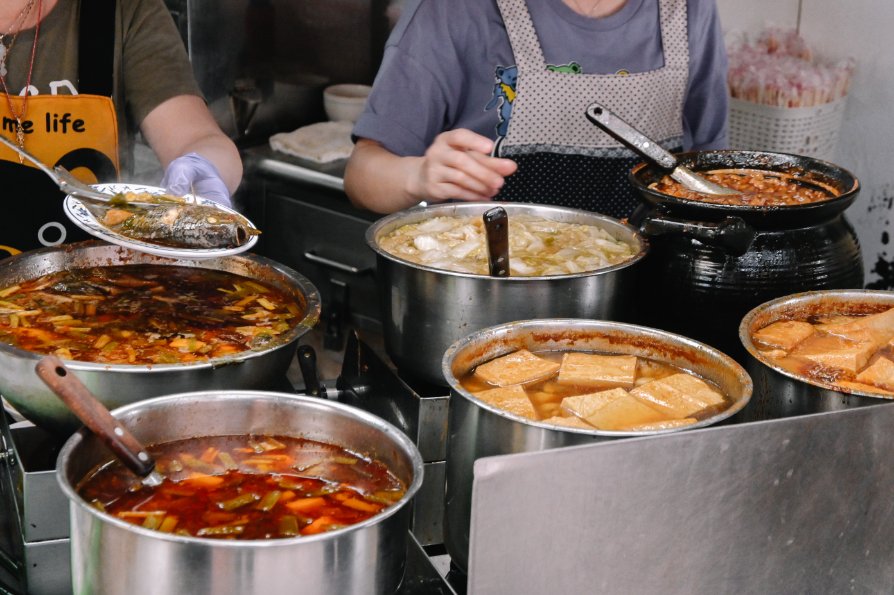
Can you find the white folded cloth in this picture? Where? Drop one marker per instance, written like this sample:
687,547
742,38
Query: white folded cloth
321,142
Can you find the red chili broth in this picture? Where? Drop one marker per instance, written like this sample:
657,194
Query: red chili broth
218,487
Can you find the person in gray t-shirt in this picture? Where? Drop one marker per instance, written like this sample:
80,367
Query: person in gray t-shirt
460,77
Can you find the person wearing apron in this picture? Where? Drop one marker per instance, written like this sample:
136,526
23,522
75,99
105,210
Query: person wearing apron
82,103
492,107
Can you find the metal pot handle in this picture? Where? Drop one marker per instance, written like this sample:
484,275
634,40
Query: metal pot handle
732,234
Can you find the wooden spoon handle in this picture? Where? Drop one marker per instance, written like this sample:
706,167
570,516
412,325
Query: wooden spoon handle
94,415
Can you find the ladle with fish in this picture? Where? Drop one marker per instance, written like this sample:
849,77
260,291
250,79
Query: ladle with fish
149,219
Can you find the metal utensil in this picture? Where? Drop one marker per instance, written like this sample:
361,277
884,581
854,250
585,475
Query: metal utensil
637,141
496,228
66,181
97,418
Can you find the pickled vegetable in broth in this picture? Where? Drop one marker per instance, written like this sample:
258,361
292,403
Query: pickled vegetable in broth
247,487
144,314
595,391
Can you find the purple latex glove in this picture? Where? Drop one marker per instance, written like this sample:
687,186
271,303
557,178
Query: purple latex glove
192,173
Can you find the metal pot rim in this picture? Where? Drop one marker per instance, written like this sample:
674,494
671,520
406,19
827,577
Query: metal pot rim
374,230
368,418
547,323
839,296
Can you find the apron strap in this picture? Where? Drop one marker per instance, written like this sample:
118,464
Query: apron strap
96,47
522,35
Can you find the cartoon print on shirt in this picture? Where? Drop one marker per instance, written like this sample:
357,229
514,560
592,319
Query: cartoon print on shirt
504,95
505,79
570,68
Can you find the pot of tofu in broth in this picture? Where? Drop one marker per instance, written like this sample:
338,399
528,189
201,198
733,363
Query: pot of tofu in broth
261,492
819,351
432,267
540,384
132,326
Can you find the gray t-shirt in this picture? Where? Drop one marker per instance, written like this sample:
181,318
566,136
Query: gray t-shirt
440,65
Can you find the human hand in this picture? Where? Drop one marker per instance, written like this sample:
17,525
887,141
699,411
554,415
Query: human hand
458,165
192,173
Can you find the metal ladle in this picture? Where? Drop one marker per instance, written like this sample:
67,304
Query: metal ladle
639,142
66,181
496,229
97,418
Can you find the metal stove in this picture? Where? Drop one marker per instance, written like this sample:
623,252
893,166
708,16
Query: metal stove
34,545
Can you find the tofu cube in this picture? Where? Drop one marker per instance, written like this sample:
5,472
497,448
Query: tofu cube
622,413
569,422
512,399
879,373
602,371
875,328
518,367
586,405
784,334
678,396
836,352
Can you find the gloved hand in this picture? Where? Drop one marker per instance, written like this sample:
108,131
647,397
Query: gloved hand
193,173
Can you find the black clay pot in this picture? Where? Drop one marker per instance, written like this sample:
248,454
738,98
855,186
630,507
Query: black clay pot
710,264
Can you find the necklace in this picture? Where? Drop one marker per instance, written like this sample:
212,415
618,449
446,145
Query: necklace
16,26
19,117
587,13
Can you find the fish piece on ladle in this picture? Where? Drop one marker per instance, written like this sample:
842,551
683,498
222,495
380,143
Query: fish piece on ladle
178,225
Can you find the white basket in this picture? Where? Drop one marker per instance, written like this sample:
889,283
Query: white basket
810,131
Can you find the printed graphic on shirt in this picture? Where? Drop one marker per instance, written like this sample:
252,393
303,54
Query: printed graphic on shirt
504,95
570,68
78,132
505,79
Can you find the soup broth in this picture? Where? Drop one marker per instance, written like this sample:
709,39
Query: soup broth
246,487
595,391
144,314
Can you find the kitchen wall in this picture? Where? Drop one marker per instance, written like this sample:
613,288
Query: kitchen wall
861,29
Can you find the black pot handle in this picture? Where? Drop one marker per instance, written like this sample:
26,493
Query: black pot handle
732,234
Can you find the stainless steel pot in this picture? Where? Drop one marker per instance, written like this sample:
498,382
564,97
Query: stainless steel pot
424,310
119,384
477,429
780,393
111,556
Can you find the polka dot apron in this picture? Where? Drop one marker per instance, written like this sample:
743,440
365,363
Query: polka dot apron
563,158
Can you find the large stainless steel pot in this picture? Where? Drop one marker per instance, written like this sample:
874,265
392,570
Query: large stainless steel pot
780,393
424,310
477,429
111,556
120,384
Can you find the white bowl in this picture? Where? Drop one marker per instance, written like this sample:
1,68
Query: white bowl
345,101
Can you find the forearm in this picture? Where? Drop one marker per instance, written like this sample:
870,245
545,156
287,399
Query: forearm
183,125
219,150
379,180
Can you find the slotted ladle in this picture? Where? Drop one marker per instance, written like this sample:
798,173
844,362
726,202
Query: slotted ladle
610,123
97,418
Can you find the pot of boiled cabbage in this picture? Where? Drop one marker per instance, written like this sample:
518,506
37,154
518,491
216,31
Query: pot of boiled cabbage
432,267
